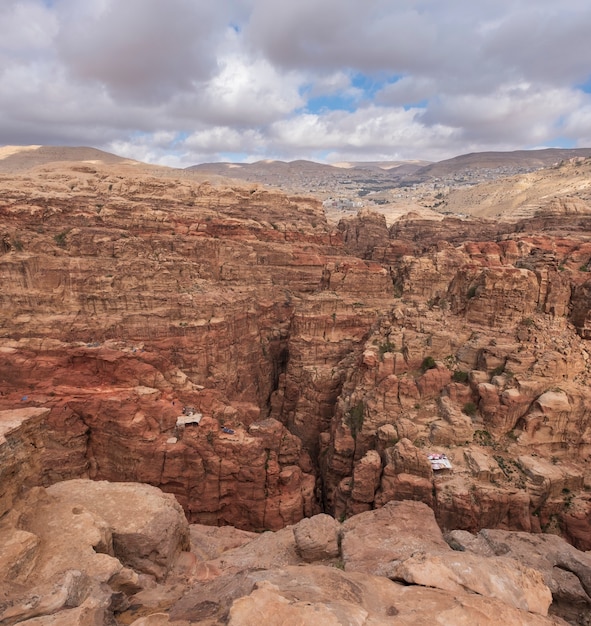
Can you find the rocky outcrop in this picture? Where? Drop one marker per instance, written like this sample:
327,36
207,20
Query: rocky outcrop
564,569
274,578
22,444
80,547
85,552
226,344
139,296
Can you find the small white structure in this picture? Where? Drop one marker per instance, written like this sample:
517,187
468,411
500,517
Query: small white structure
439,462
191,418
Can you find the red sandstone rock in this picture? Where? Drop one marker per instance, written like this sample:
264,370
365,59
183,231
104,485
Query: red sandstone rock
396,528
130,293
317,538
502,578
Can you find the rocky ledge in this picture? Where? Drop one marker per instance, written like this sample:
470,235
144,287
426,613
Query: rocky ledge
83,553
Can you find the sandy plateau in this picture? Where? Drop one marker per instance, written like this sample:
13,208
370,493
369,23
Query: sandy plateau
217,407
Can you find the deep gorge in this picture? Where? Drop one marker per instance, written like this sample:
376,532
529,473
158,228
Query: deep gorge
128,298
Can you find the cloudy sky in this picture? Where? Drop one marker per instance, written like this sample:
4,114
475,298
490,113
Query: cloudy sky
179,82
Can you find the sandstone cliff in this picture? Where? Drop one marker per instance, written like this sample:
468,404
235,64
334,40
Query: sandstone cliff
321,365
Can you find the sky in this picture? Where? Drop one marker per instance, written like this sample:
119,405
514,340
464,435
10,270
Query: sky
180,82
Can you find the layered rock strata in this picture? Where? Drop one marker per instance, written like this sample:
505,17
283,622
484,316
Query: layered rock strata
324,365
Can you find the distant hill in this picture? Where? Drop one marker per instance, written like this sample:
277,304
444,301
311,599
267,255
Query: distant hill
527,160
376,176
269,168
266,168
319,179
20,158
394,167
564,188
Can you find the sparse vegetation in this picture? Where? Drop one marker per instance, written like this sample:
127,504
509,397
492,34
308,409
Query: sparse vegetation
387,346
460,376
355,418
483,438
428,363
471,292
60,238
498,370
470,408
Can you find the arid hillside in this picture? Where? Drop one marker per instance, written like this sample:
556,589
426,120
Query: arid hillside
467,164
563,188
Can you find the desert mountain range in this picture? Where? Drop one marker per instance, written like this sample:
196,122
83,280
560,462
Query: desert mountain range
528,180
222,402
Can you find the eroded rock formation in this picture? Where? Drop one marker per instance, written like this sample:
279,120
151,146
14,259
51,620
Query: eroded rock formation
323,364
84,552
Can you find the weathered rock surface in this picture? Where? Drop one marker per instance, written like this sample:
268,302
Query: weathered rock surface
398,530
317,538
565,570
21,452
91,566
505,579
478,353
322,595
138,296
80,547
148,528
323,365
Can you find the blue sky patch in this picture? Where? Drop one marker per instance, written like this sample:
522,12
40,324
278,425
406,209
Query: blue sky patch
340,102
586,86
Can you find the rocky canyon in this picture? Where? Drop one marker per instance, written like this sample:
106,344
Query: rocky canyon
215,405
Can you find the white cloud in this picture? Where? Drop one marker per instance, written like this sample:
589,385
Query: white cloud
250,91
26,27
223,139
387,132
519,113
140,49
407,90
331,83
578,124
186,80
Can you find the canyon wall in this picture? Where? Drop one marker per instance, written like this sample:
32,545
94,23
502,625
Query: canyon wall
320,366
